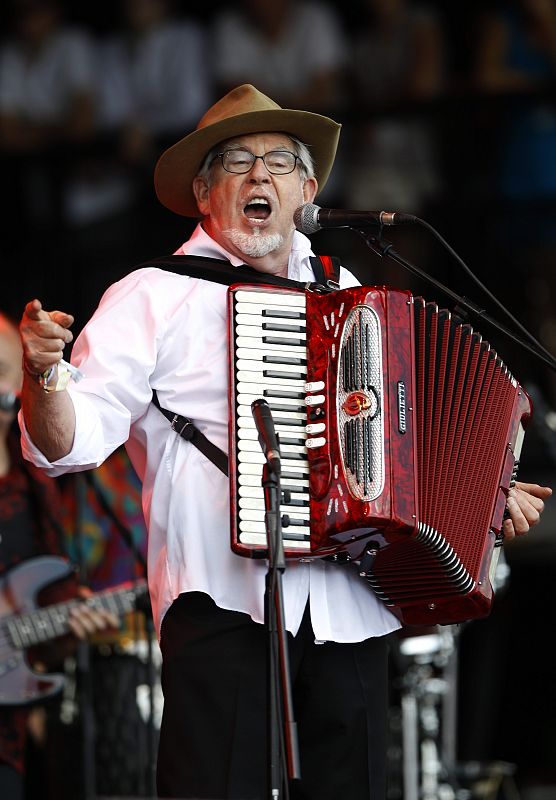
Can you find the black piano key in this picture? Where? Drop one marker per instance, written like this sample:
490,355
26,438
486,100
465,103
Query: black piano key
280,407
297,522
279,326
281,393
287,342
294,360
270,373
295,423
295,476
281,313
296,501
293,489
287,440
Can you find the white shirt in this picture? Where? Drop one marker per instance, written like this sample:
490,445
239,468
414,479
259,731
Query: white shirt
158,330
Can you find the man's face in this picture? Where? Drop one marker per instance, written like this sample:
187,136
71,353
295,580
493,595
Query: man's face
233,217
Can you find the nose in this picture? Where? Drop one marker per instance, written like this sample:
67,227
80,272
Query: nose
258,172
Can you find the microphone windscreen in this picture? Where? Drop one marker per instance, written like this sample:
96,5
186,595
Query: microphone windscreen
306,218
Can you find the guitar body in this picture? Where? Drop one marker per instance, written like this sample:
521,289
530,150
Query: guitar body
19,588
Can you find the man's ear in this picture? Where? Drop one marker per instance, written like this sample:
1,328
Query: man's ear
310,189
201,192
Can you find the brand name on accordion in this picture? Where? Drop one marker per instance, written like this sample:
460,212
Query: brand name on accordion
402,420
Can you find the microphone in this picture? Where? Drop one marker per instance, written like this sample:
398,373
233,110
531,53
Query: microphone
267,434
310,218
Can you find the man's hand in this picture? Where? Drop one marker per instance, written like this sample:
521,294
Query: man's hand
84,621
525,505
44,334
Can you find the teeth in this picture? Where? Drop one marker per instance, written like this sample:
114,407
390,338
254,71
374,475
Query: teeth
258,201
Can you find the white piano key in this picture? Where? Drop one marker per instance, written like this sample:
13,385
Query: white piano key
258,388
253,538
253,508
256,523
255,366
248,432
249,446
253,478
258,353
297,300
257,492
264,382
246,400
314,386
248,457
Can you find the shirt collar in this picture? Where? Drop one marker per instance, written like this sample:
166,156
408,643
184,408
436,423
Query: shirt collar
201,244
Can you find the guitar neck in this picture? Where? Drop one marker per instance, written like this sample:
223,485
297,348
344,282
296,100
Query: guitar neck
42,624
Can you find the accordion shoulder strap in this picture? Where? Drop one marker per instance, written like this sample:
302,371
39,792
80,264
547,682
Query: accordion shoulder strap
325,268
327,271
191,433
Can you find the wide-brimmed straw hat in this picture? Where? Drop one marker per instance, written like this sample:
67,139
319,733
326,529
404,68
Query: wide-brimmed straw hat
243,110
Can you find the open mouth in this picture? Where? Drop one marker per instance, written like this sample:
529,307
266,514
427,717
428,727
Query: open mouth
257,210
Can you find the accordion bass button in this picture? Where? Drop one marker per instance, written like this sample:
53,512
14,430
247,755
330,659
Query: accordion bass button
318,442
315,386
315,427
315,400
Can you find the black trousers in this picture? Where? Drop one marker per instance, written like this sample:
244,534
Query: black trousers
213,739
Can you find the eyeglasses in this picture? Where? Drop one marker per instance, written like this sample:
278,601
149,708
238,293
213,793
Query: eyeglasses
277,162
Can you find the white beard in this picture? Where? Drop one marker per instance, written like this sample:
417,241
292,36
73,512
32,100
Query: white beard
256,244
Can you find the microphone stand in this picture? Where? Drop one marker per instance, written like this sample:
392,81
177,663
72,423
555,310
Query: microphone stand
283,743
385,249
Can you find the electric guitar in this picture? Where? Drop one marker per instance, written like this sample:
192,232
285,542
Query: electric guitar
24,624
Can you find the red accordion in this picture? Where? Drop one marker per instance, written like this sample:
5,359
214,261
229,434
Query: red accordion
400,432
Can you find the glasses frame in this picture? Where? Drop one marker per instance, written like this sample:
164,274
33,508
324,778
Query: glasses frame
255,157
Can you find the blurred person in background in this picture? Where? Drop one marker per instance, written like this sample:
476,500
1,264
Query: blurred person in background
398,63
47,108
152,81
29,512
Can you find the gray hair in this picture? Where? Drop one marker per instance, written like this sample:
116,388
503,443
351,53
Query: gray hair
306,163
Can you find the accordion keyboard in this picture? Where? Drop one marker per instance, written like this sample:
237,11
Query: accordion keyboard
271,363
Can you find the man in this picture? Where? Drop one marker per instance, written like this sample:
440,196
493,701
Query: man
29,510
245,170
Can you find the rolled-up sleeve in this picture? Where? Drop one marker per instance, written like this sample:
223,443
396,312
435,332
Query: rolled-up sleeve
117,352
